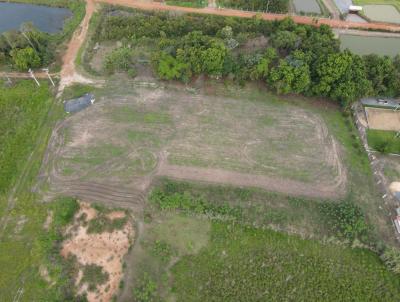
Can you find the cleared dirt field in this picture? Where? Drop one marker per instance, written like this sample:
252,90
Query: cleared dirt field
383,119
112,151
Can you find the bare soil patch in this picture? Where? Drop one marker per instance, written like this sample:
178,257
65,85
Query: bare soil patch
105,250
383,119
112,151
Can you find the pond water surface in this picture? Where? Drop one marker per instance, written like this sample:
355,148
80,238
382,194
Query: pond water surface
383,13
363,45
307,6
47,19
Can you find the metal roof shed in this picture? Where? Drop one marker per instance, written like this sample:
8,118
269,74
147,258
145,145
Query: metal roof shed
381,102
75,105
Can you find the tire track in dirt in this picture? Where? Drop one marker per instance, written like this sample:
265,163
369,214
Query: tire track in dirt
109,194
274,184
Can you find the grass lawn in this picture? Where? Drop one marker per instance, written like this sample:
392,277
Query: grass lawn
23,109
240,263
28,115
383,141
188,3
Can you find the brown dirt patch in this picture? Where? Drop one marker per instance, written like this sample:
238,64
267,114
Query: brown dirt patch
383,119
105,250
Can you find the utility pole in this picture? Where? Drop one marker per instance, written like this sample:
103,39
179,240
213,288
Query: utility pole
33,77
46,70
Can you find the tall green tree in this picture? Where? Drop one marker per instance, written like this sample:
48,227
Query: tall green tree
25,58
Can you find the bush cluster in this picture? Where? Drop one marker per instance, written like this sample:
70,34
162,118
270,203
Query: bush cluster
299,59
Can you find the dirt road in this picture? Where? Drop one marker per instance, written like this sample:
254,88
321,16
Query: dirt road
23,75
68,70
245,14
333,10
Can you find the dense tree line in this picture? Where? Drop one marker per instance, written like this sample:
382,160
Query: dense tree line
272,6
27,48
299,59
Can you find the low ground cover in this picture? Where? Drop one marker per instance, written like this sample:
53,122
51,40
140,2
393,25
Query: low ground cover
23,110
229,259
244,262
383,141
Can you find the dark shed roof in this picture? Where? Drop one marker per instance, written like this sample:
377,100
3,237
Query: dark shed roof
79,104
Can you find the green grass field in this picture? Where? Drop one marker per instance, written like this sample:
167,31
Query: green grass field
23,109
245,263
29,115
383,141
207,248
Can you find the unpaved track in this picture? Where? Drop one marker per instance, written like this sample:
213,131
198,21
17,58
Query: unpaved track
25,75
275,184
332,8
68,71
245,14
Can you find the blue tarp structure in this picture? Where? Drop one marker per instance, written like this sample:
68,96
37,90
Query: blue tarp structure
79,104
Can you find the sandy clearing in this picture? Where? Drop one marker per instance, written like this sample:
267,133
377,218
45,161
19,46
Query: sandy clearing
106,250
383,119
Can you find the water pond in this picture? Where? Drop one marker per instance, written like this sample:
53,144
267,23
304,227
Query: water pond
45,18
307,6
382,13
364,45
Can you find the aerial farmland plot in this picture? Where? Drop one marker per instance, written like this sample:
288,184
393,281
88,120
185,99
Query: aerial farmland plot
189,157
254,140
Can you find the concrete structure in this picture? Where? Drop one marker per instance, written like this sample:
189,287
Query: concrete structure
381,102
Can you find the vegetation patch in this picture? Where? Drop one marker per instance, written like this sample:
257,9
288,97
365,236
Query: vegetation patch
274,6
188,3
23,109
298,59
246,262
384,141
93,275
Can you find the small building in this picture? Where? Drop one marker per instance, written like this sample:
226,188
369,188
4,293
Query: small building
386,103
75,105
355,9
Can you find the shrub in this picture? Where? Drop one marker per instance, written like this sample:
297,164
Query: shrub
94,275
119,59
146,291
64,210
25,58
346,219
391,257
